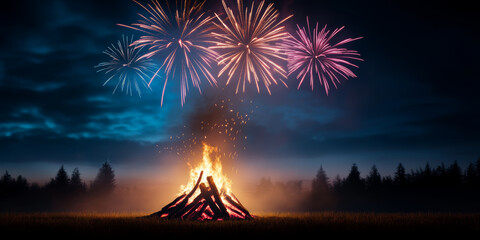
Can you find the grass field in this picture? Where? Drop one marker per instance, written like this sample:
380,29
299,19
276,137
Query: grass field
132,224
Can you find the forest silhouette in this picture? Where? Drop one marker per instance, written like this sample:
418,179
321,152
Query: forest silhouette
61,193
428,189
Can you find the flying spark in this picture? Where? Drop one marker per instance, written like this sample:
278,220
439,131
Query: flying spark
220,123
313,54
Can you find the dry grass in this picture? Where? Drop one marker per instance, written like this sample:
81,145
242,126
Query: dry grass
124,224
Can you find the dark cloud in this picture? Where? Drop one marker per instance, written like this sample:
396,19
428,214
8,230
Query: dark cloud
416,95
49,147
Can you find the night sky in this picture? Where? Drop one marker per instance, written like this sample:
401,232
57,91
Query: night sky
415,99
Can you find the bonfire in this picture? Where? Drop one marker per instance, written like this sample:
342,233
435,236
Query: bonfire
209,194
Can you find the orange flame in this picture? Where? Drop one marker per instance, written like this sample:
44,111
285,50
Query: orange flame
211,166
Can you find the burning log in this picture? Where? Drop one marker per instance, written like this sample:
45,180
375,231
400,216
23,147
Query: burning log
195,206
238,206
208,204
197,214
207,195
187,208
176,205
216,196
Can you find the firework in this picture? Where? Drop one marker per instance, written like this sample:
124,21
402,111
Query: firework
181,39
127,66
312,53
248,47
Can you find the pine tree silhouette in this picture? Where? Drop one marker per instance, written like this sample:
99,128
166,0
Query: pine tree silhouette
454,174
373,180
6,178
61,182
320,183
21,184
470,176
400,176
337,183
321,191
427,172
353,182
104,182
6,184
76,183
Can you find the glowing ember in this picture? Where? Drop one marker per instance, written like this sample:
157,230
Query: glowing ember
220,124
205,200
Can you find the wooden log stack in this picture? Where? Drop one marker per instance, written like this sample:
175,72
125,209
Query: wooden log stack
210,204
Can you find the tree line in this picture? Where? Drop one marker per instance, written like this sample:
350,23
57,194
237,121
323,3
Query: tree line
440,188
61,193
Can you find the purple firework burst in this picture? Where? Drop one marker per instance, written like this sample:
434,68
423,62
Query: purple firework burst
311,53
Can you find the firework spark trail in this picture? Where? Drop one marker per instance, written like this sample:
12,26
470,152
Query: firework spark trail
247,42
312,53
126,65
181,38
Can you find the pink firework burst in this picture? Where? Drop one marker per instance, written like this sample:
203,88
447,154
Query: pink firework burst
311,53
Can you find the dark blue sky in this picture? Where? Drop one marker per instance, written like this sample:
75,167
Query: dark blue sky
415,99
